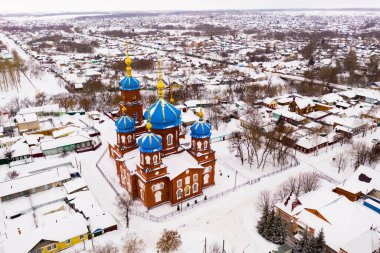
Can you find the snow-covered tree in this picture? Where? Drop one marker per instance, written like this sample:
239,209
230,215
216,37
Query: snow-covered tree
300,245
133,244
321,244
170,241
262,223
109,247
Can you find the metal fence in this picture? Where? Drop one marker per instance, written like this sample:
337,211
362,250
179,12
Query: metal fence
207,199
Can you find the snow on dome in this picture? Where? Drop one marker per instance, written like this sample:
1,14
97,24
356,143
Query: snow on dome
163,115
200,129
129,83
150,143
125,124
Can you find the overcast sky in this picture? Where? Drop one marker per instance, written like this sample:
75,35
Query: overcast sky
10,6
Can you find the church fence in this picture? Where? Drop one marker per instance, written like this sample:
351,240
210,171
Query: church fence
207,199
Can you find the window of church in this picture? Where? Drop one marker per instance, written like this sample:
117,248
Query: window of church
195,187
147,160
195,177
206,178
155,159
179,193
129,138
134,116
169,139
187,180
142,159
205,145
179,183
154,188
162,185
157,196
142,194
187,190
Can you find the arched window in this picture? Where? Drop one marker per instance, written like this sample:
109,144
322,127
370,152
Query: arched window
142,159
205,143
194,144
199,145
155,159
129,138
142,194
162,185
205,178
169,139
123,139
179,193
147,160
195,187
134,116
187,190
157,196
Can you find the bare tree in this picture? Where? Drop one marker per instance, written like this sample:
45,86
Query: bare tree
169,241
236,145
341,162
12,174
124,202
215,248
360,153
309,181
133,244
109,247
265,200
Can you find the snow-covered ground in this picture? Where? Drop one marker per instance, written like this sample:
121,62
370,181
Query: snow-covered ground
231,218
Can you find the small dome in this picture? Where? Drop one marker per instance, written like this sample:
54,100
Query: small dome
200,129
125,124
163,115
129,83
150,143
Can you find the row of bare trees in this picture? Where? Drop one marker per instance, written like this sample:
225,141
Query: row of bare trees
10,72
258,146
361,154
302,183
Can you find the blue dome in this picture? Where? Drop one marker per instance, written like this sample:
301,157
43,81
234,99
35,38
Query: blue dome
129,83
163,115
200,129
150,143
125,124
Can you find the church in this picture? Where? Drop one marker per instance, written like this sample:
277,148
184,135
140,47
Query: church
151,163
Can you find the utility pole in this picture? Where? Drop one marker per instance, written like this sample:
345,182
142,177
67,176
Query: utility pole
205,249
235,177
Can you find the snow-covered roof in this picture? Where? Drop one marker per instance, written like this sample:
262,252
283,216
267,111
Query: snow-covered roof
332,98
101,221
24,118
74,185
289,114
340,227
50,108
174,168
64,131
58,230
21,184
64,141
364,180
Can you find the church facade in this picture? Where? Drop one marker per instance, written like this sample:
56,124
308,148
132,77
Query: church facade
151,163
